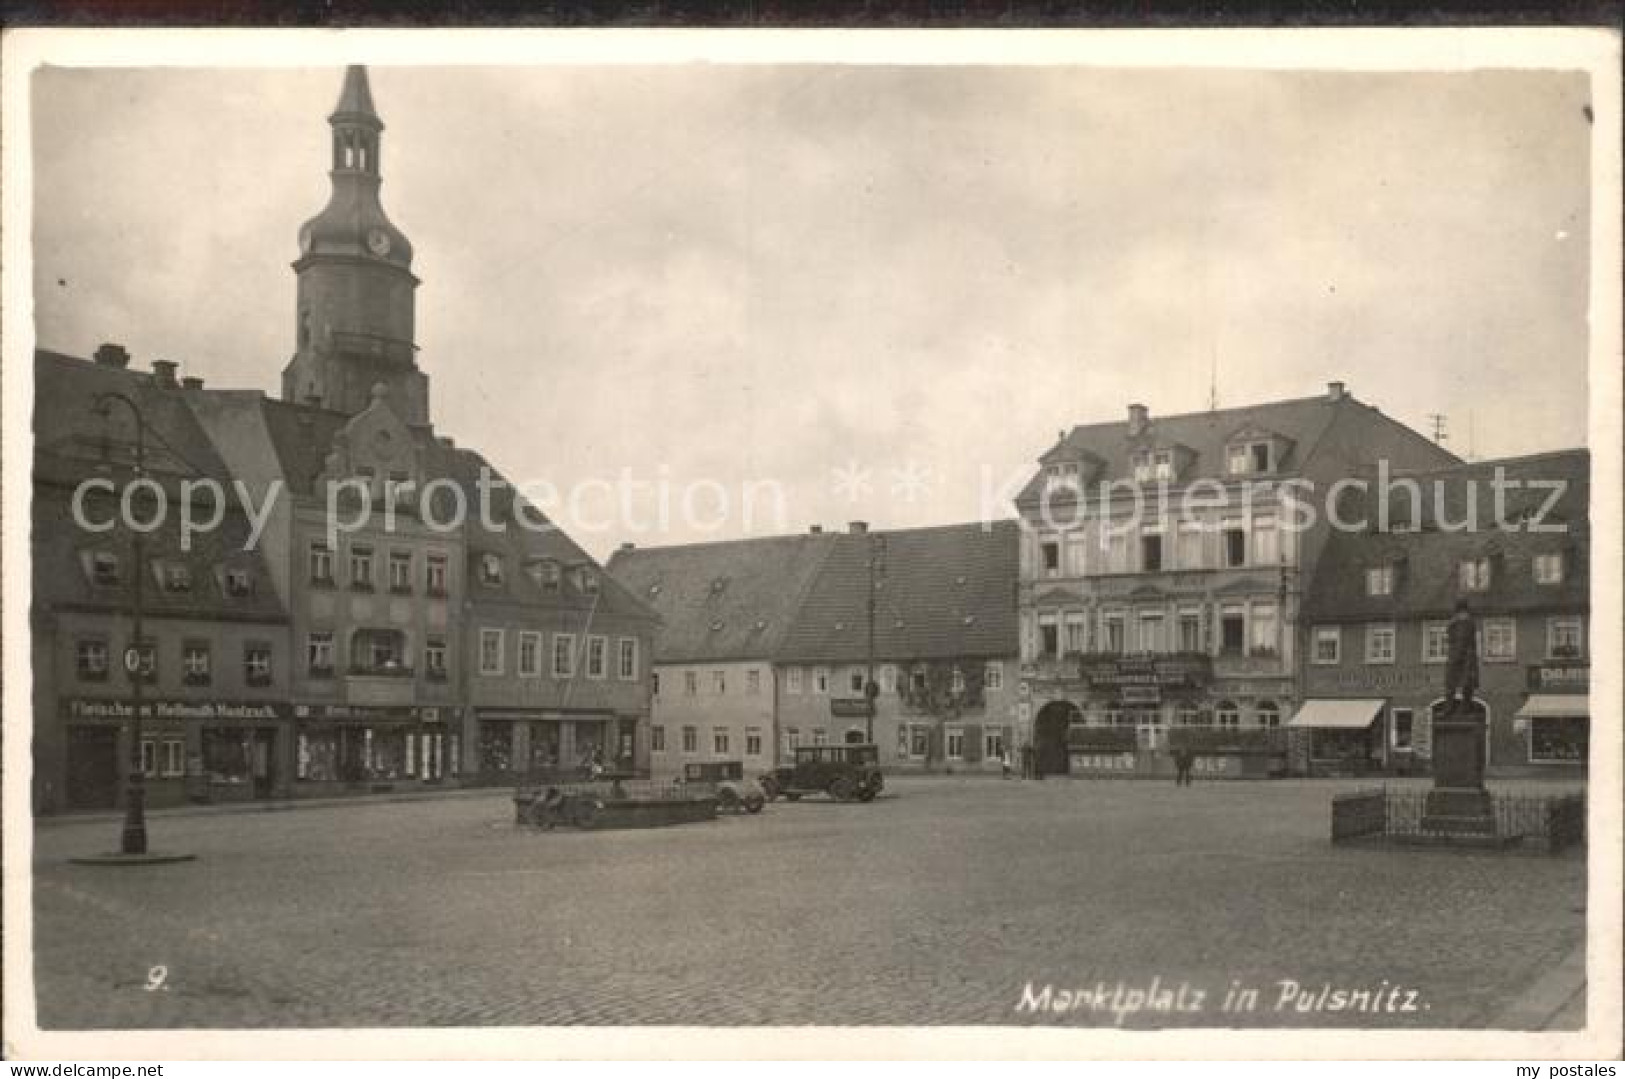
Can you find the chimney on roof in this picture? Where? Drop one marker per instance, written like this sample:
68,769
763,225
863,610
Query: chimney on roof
815,530
1138,420
857,528
191,382
163,373
111,355
1335,391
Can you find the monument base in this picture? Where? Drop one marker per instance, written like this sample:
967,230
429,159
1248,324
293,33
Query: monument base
1459,811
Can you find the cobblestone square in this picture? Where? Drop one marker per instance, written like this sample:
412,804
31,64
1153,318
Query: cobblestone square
947,901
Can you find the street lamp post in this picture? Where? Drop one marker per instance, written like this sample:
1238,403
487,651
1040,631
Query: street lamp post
877,568
133,839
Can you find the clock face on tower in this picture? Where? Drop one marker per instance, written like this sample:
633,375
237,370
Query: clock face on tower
378,242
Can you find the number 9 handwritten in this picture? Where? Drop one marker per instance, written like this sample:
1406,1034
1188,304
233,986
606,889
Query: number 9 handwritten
155,979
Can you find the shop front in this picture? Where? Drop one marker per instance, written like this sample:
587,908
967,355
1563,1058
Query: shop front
190,751
1555,716
1344,735
349,748
518,742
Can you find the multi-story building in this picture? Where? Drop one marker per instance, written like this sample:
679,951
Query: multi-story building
1162,564
928,615
1376,612
214,651
725,610
410,587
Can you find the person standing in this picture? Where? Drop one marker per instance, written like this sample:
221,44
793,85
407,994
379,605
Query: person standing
1184,758
1004,761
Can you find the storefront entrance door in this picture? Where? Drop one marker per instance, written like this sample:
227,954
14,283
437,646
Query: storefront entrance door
92,767
264,762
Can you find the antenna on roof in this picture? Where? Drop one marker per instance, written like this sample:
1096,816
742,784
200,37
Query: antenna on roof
1440,435
1213,379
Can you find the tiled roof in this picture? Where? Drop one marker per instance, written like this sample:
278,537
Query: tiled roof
947,591
73,443
1426,561
728,600
1300,423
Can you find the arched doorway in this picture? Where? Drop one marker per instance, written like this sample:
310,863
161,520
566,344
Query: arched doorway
1049,737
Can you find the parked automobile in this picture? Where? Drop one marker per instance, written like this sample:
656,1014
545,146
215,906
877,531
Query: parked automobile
843,772
726,779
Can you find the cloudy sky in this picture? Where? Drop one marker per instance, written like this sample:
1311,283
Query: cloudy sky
711,275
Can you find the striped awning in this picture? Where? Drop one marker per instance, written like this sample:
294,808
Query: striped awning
1555,705
1338,714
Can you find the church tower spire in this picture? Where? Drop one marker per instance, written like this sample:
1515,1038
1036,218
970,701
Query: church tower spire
354,326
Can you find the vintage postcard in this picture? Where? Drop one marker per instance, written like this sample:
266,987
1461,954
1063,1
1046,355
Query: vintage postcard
1039,544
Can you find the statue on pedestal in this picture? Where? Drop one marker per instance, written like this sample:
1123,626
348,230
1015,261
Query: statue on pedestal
1461,665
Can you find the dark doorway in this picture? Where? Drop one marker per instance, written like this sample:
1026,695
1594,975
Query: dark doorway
92,768
1049,737
855,737
264,762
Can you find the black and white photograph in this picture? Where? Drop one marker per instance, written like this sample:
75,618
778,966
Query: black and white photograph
969,544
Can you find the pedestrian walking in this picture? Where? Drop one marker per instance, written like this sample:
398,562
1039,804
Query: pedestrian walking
1183,760
1004,761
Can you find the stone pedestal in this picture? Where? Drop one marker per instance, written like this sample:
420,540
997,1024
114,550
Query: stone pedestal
1458,804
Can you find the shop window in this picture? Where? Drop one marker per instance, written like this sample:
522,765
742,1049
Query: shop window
1403,725
227,755
1559,739
954,740
317,756
90,660
196,666
496,746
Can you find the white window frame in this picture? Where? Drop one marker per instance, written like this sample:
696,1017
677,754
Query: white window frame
601,643
719,683
626,659
319,640
792,680
1379,580
1549,567
949,736
1566,621
821,681
534,668
1510,655
1334,634
691,683
720,741
1435,631
993,676
753,741
888,677
690,743
568,669
491,633
657,738
1374,632
753,681
1475,574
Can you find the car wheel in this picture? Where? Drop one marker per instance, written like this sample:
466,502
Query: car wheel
727,798
841,789
754,803
867,794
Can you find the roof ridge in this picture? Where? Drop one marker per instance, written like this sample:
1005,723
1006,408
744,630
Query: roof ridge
1154,418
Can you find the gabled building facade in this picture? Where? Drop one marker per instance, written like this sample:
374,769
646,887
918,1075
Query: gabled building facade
1376,612
1162,567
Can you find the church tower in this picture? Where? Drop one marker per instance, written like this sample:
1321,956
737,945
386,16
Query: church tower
354,312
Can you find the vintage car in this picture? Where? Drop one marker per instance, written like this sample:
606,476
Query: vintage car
843,772
726,779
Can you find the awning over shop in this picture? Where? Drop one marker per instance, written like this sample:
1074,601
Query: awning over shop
1555,705
1348,715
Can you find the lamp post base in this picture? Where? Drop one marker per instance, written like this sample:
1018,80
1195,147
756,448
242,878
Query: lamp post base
155,857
